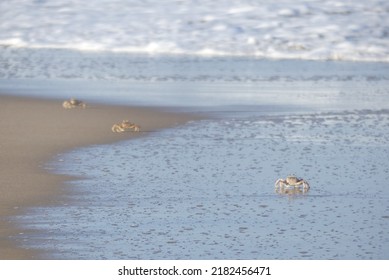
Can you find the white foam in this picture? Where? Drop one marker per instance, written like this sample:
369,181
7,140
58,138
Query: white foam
338,30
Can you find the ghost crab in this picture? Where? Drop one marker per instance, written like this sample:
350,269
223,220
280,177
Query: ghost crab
125,126
73,103
292,181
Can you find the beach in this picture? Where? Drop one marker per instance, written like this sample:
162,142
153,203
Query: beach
206,190
230,98
33,131
200,185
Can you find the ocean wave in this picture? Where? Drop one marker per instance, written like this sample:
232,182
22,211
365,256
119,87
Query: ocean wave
311,30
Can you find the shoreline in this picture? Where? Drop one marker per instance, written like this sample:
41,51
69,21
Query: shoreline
34,130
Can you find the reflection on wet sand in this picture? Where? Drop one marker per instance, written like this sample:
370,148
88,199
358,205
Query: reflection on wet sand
291,190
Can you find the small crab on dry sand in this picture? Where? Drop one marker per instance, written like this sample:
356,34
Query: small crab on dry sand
125,126
73,103
292,181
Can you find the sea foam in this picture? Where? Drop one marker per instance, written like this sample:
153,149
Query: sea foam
335,30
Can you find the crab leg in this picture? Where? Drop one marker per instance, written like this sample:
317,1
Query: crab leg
280,183
306,185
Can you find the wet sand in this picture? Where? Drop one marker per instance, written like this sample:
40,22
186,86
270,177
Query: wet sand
219,200
35,130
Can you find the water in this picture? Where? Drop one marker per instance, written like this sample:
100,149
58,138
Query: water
183,52
194,81
206,191
302,29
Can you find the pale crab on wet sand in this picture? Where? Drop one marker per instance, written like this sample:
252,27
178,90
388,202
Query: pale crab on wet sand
73,103
292,181
125,126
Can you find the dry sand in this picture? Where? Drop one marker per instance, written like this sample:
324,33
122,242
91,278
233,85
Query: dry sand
33,131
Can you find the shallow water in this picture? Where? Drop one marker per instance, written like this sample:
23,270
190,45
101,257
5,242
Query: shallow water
206,191
192,81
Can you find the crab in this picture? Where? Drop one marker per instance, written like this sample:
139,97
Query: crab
73,103
292,181
125,126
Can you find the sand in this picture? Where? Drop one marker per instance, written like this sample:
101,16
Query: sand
35,130
218,201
